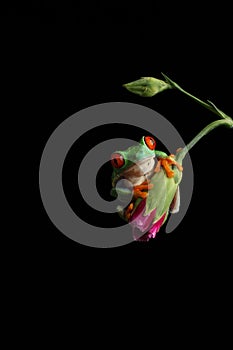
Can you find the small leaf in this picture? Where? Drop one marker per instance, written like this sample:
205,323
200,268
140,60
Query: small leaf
221,114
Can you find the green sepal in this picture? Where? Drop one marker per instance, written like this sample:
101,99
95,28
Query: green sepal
161,195
165,219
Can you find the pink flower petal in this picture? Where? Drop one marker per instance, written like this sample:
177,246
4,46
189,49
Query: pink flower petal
139,220
155,228
141,224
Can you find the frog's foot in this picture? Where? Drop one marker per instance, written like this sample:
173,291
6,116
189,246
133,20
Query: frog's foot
167,162
138,190
128,211
173,162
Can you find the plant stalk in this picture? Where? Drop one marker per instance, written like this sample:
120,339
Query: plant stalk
210,106
181,154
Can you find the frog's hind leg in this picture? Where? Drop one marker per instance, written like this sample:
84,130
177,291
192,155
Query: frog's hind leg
129,210
158,167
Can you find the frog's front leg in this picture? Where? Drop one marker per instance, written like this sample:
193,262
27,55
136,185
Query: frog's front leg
138,191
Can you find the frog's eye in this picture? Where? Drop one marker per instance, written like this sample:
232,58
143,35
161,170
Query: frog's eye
150,142
117,160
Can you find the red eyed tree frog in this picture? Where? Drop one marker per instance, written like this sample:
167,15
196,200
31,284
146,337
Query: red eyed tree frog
138,164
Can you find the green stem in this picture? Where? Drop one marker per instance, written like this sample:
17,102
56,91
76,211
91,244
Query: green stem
181,154
226,120
210,106
204,104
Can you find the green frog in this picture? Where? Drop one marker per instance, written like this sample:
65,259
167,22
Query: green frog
138,164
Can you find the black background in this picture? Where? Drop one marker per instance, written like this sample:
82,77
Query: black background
65,56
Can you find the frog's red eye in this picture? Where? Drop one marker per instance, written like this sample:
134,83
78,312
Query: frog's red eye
150,142
117,160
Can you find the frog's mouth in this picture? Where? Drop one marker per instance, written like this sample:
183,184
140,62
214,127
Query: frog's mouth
140,171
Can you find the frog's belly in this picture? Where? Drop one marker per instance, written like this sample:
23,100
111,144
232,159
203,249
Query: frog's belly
137,179
140,172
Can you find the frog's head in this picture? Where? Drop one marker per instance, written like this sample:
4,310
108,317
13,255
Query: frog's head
135,163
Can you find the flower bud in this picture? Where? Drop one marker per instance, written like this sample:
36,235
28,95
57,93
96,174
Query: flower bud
147,86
